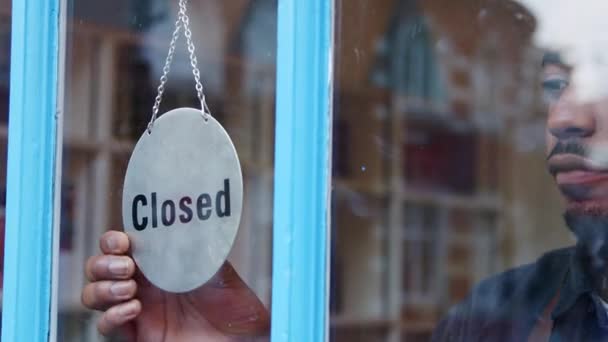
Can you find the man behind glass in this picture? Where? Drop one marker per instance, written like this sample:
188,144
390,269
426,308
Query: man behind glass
563,296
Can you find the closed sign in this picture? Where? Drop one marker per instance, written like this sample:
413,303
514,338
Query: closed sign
182,200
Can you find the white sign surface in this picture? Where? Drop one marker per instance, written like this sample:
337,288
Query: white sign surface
182,200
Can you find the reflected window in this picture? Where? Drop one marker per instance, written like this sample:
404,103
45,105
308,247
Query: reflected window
407,62
422,259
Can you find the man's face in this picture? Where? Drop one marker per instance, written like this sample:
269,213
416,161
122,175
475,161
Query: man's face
577,140
577,153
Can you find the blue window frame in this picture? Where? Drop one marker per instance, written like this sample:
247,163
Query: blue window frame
302,170
31,170
304,87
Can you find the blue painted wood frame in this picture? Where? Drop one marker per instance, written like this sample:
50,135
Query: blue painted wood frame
31,170
302,170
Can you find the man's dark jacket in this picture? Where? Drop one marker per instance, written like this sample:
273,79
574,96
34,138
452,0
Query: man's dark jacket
555,292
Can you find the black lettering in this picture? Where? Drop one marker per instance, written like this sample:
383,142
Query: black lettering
154,211
218,200
144,222
203,205
168,218
184,205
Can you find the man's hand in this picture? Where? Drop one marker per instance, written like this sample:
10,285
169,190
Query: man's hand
224,309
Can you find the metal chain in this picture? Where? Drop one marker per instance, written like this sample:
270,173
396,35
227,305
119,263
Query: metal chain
185,20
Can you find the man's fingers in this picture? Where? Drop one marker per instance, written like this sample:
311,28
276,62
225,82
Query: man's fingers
103,294
118,316
114,242
109,267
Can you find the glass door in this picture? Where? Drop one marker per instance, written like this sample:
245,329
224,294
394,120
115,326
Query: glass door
468,171
82,89
93,68
116,51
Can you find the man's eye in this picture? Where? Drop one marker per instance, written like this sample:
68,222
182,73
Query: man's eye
553,88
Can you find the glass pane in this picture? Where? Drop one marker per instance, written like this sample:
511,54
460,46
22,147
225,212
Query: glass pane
448,116
115,55
5,61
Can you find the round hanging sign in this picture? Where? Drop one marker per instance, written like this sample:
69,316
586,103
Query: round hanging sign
182,199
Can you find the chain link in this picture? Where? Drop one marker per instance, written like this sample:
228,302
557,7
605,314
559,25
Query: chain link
184,20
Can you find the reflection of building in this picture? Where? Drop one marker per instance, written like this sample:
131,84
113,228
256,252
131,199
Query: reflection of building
430,98
111,83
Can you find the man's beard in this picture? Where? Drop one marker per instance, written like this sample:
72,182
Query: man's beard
590,226
588,220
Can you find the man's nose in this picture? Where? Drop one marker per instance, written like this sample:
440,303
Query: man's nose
571,119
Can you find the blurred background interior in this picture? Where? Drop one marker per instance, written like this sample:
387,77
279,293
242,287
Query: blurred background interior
438,164
115,54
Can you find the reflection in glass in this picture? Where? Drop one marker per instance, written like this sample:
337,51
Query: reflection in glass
116,51
439,126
